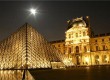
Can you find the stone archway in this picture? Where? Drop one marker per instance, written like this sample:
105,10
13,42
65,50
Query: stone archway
77,49
104,59
97,59
77,56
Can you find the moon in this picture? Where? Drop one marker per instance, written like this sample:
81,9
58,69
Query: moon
33,11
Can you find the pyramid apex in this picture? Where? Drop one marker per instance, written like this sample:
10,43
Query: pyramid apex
26,24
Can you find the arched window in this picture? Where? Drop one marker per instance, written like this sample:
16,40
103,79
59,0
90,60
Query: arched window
69,35
77,49
76,34
96,48
103,47
85,49
109,39
97,59
104,58
84,33
96,41
102,40
69,50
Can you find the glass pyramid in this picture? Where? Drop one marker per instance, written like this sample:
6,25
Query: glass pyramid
26,48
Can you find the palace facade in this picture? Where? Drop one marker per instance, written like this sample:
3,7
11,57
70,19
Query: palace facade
81,46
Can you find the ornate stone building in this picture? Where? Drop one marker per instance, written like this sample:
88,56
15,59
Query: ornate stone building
82,46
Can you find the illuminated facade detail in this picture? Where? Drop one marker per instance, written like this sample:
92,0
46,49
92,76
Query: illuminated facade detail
77,45
83,47
100,49
26,49
59,44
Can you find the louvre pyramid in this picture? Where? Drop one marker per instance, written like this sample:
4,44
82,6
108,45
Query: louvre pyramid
26,48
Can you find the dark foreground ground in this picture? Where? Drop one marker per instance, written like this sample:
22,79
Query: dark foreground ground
78,73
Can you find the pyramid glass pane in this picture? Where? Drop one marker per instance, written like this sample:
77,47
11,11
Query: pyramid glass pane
26,48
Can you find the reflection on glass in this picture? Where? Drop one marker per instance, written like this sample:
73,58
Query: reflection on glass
15,75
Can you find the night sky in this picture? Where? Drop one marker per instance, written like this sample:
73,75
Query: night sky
51,20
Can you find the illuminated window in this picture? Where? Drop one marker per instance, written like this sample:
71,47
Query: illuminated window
85,49
97,59
69,50
103,46
69,35
59,45
69,42
104,58
95,40
107,47
77,49
96,48
76,34
84,33
102,40
109,39
84,40
80,40
64,51
80,47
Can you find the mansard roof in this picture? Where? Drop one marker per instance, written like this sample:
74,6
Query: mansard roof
83,22
57,41
101,35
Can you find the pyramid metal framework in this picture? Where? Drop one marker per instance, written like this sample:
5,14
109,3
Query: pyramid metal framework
26,48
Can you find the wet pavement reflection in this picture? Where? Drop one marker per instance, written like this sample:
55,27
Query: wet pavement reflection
77,73
15,75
